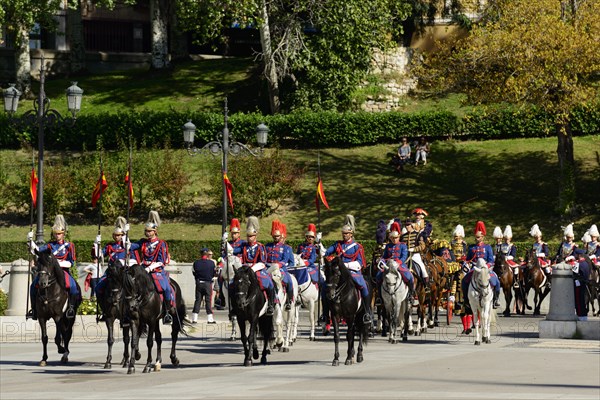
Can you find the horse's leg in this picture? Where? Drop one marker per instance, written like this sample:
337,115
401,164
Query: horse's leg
158,340
58,336
336,340
350,339
135,342
44,330
149,345
110,340
536,303
247,358
477,322
543,295
126,342
66,333
175,328
508,299
253,335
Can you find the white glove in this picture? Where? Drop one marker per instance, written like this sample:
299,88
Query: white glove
451,299
126,229
570,258
147,269
593,257
509,257
411,249
225,236
29,236
98,239
319,236
541,255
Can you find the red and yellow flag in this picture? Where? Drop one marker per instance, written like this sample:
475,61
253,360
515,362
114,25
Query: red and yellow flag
129,189
33,187
101,186
229,189
320,195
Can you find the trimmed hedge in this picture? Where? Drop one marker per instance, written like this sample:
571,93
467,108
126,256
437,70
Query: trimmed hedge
188,251
298,129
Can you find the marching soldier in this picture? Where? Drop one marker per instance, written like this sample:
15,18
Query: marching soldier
353,257
64,252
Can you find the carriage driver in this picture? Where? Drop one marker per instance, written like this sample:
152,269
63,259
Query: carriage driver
397,251
155,255
416,242
353,257
114,252
254,255
509,251
64,252
281,254
484,251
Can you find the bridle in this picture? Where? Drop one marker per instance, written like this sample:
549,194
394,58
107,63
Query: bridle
482,290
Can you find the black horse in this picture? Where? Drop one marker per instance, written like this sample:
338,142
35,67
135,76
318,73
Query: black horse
249,305
110,300
50,301
141,307
345,302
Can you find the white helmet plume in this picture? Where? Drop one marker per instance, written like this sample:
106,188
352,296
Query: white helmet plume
153,220
459,231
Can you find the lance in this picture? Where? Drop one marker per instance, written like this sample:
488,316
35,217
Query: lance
97,249
129,201
29,257
326,317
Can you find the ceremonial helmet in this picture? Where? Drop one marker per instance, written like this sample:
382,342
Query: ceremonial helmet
119,226
586,237
508,232
458,231
395,230
420,211
311,230
283,230
497,233
153,221
535,231
234,227
252,226
60,226
569,231
348,226
276,228
594,231
480,228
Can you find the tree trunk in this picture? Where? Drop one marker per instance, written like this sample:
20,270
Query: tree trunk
76,42
23,61
160,44
566,163
270,70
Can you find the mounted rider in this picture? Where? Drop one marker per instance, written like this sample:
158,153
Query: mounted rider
115,252
397,251
353,257
566,250
485,252
416,243
308,252
154,257
421,225
254,255
282,255
229,248
592,247
509,250
541,251
498,238
64,252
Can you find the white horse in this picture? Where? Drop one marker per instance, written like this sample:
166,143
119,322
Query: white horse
281,315
230,265
395,298
480,298
308,295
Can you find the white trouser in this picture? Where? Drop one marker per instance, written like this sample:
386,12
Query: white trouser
421,270
421,155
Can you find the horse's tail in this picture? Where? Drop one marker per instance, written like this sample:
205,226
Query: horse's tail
265,327
181,310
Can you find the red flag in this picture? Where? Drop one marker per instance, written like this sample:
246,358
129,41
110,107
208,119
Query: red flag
33,187
129,189
320,195
101,186
229,189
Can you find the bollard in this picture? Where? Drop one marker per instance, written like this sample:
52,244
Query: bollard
562,296
18,289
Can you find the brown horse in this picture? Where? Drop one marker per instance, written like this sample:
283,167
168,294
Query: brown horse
506,277
535,279
439,279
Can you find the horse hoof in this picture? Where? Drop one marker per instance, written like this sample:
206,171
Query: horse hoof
359,358
43,363
424,330
175,361
64,359
232,338
484,339
157,367
247,363
263,360
404,339
335,363
145,370
107,366
477,343
393,341
285,349
436,323
312,338
291,344
138,355
348,362
255,354
130,371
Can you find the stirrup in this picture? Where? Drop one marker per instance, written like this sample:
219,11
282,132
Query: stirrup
102,318
288,306
70,313
167,319
378,302
367,318
31,314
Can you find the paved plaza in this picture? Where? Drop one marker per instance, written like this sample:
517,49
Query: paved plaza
441,364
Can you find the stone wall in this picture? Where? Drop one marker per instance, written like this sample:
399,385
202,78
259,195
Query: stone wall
393,68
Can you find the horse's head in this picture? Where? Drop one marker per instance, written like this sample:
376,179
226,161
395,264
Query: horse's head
245,279
392,274
333,274
481,273
531,259
273,269
48,270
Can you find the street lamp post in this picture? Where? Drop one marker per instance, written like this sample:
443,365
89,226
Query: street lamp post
42,117
225,146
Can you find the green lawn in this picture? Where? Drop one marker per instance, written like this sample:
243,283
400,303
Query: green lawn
500,182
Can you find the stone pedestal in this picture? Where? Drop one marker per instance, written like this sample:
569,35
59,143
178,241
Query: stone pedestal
562,296
18,289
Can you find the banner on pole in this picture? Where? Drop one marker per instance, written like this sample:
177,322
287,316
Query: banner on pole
101,186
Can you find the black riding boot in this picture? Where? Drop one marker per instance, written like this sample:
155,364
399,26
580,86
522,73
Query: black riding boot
379,299
33,312
368,317
288,299
270,301
167,319
70,313
426,284
496,299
